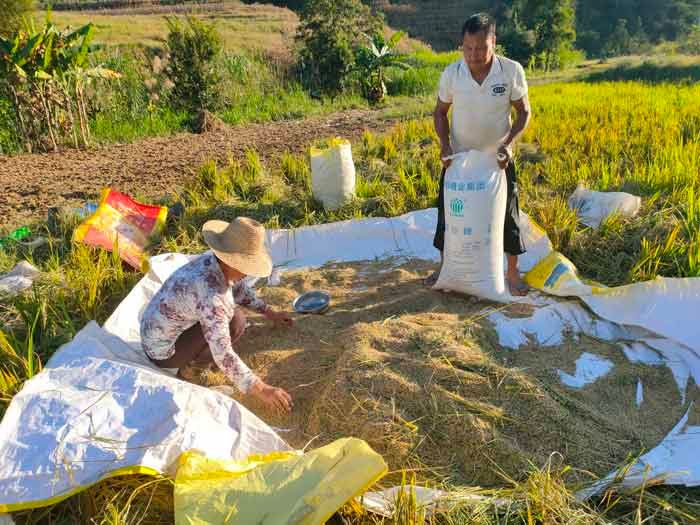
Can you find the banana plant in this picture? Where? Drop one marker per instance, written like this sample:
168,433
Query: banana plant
46,73
371,61
17,51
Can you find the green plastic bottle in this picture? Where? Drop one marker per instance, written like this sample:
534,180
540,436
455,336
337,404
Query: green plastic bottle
17,235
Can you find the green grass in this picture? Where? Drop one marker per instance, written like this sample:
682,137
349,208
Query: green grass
243,27
282,100
8,138
259,83
109,128
652,70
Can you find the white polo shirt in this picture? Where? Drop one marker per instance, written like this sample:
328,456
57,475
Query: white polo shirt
481,113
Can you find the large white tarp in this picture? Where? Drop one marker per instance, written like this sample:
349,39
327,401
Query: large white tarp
635,320
409,235
99,407
667,307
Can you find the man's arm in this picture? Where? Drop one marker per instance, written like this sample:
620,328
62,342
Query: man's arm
523,114
442,128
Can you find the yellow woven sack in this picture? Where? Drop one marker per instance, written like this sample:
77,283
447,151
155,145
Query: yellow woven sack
557,275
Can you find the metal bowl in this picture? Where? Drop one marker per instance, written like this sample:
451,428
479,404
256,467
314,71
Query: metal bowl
316,302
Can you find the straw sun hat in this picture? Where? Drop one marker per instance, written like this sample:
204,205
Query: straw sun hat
239,244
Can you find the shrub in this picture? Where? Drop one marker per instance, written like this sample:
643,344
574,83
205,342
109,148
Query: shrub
327,33
195,48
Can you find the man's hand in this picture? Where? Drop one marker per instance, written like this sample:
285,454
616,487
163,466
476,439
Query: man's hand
273,397
505,156
442,128
282,318
522,118
446,151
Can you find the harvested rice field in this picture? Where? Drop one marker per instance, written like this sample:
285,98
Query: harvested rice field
420,376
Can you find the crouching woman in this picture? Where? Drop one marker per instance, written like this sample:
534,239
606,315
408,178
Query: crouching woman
195,318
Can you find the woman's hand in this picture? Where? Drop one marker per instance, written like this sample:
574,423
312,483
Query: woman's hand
282,318
273,397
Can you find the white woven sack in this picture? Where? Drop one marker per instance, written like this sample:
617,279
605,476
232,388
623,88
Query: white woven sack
475,207
333,174
593,207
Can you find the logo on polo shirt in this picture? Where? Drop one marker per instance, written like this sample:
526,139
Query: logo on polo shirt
498,90
457,207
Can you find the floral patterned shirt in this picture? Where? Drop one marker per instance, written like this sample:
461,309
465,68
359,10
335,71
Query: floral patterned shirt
199,293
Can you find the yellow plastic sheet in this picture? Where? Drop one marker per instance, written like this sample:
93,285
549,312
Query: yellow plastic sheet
280,488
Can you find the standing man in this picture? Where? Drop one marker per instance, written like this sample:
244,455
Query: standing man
481,88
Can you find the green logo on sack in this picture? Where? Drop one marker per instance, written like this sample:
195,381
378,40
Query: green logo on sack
457,207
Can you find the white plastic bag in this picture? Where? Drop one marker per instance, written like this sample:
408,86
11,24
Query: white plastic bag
384,502
593,207
19,278
333,174
475,209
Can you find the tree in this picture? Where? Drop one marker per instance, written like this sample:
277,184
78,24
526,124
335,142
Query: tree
540,31
668,19
597,21
601,27
554,23
327,33
518,41
691,43
620,42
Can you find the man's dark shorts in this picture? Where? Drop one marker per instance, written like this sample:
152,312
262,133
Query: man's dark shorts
512,241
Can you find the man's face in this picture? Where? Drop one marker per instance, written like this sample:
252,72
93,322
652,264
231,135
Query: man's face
478,48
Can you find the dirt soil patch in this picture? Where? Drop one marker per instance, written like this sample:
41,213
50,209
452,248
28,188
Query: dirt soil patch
152,168
420,376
